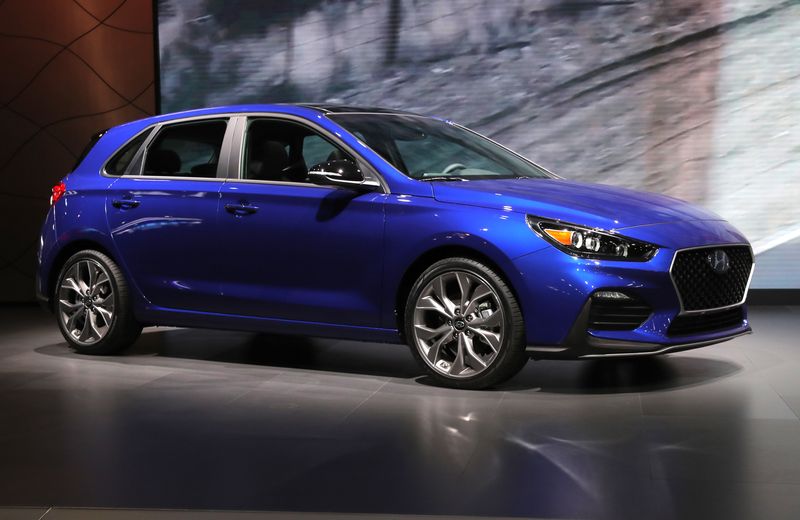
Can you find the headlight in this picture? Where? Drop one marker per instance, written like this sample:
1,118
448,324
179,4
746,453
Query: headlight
590,243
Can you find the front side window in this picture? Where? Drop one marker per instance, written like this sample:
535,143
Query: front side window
425,148
122,159
284,151
186,150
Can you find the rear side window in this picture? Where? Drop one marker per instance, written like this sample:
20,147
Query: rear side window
186,150
122,159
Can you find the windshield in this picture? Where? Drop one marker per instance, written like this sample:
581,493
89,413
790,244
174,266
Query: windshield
429,149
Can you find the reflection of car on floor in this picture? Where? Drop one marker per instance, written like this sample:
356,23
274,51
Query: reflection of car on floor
377,225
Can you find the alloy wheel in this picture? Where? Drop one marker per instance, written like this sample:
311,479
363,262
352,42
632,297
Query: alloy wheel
86,301
458,324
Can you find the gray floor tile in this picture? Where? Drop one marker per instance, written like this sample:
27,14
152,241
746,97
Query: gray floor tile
743,397
725,450
22,513
154,514
690,500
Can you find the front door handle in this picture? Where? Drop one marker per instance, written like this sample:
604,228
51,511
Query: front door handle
240,209
125,203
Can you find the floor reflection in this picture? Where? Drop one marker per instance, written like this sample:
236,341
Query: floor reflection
635,375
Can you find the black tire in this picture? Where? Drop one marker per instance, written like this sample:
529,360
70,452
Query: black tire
123,329
511,355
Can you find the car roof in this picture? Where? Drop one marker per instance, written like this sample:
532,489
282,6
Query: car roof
306,110
330,108
300,109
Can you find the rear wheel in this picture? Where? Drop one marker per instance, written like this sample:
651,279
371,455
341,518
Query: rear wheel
92,305
465,325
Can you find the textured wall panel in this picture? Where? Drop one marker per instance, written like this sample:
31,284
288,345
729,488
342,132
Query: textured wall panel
699,99
69,68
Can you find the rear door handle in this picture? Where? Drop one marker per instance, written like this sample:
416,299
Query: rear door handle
240,209
125,203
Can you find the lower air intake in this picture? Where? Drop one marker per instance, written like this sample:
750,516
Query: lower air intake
617,314
714,321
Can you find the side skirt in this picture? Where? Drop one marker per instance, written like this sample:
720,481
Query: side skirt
211,320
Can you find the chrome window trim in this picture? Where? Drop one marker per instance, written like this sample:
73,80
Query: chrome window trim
684,312
234,156
167,178
237,152
225,148
283,183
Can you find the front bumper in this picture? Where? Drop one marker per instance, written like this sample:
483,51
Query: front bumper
556,296
583,343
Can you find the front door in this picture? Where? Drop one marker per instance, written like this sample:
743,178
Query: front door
296,250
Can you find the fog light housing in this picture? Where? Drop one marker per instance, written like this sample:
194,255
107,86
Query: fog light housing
615,310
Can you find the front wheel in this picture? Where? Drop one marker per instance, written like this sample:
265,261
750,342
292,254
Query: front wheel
465,325
92,305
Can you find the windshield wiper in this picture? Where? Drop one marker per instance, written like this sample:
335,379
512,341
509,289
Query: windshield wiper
442,178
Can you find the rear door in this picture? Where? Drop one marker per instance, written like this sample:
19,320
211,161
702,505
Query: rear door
162,212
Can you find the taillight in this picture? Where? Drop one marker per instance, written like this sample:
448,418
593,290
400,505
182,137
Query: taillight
58,191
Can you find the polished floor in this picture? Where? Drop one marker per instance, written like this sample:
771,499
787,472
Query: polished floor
192,419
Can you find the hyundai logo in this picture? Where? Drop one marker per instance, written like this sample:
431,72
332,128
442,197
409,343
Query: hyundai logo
719,261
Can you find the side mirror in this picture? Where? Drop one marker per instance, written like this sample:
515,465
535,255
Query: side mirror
341,172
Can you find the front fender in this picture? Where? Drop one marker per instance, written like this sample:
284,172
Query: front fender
495,234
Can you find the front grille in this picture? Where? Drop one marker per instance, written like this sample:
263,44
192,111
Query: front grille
617,314
707,322
701,288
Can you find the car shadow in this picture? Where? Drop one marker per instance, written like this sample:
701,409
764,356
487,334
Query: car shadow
623,375
333,204
166,347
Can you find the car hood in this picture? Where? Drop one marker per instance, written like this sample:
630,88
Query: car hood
593,205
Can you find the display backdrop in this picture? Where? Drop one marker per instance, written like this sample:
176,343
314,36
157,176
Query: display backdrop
696,99
69,68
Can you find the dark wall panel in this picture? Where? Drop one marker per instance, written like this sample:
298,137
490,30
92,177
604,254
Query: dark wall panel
69,68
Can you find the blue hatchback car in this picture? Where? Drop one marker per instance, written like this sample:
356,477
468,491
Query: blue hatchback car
383,226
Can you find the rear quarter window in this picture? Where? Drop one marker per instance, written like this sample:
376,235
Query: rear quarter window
122,159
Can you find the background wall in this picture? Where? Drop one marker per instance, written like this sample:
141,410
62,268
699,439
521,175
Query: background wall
699,99
69,68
